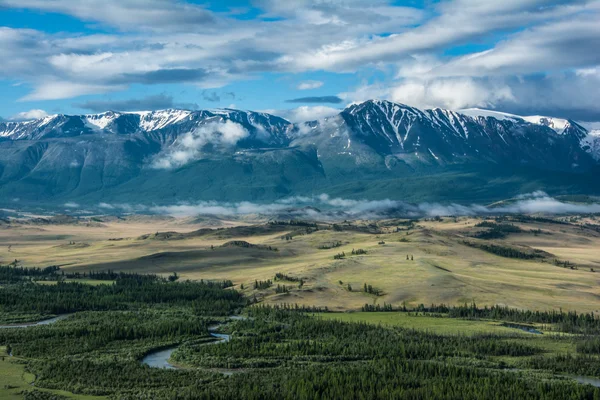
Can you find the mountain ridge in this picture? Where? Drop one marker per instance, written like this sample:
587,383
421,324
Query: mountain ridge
375,148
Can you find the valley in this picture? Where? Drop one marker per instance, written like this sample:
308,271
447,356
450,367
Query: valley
148,306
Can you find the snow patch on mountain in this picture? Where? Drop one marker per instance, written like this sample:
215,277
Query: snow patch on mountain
558,124
500,116
155,120
100,121
591,144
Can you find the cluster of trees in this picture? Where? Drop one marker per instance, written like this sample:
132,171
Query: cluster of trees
89,331
504,251
377,308
391,378
342,255
371,290
125,294
495,231
536,232
330,246
277,337
569,322
283,277
304,357
107,275
576,364
12,273
347,226
531,219
293,222
262,285
285,308
281,289
560,321
564,264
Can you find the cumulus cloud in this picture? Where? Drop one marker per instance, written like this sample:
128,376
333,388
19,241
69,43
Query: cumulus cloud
29,115
185,35
189,147
309,85
453,93
551,45
306,113
564,95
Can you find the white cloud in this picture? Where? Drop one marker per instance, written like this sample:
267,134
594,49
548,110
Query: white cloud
29,115
189,147
53,90
166,41
306,113
339,208
453,93
309,85
125,14
555,46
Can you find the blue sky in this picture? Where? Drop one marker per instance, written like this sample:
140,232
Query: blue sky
299,58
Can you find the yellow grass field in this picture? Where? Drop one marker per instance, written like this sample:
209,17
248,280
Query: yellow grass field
443,269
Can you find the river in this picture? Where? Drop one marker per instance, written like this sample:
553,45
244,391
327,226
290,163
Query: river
160,358
31,324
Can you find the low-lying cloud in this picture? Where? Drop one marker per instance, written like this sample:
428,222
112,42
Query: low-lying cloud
325,207
29,115
189,147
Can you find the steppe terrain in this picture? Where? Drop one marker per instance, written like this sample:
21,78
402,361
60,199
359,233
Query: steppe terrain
557,264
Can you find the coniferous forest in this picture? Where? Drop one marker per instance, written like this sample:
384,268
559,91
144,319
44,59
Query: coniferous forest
99,346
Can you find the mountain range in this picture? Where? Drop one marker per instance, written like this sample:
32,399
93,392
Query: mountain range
375,150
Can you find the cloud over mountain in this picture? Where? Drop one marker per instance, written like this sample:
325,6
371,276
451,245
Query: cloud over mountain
189,147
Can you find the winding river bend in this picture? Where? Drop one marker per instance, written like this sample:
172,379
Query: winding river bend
31,324
160,358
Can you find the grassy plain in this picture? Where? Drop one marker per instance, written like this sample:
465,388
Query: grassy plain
443,268
438,325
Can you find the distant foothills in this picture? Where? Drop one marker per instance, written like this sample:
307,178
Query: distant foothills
372,150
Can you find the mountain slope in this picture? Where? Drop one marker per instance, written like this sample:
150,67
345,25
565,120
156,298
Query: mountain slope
375,149
437,137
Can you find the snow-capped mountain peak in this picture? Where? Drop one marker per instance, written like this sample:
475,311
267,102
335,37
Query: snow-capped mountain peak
479,112
559,125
